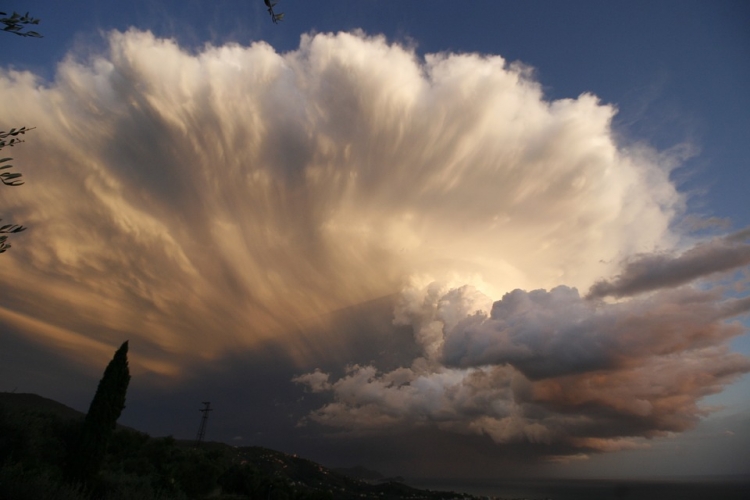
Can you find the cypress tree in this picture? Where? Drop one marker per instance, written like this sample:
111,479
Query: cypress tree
109,401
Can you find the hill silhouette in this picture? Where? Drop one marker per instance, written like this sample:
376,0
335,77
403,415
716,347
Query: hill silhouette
35,433
36,403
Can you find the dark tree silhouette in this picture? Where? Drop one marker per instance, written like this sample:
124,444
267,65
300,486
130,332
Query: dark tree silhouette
87,455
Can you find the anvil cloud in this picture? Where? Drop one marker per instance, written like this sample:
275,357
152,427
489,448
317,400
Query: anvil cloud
202,203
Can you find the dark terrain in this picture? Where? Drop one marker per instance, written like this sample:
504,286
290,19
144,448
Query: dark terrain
35,433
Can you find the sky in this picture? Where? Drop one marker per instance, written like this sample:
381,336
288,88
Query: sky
467,240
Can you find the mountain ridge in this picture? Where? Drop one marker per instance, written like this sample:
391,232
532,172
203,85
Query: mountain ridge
275,466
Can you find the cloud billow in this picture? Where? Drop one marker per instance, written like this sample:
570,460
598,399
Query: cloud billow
550,369
201,202
212,202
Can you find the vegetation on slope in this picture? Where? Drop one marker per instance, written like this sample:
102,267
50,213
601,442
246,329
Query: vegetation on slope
36,435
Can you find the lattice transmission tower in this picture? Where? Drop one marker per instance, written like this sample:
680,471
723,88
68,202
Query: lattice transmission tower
204,422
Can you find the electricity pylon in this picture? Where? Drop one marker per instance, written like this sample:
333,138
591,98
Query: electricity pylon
204,421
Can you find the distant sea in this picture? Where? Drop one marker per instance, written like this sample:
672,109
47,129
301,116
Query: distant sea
732,488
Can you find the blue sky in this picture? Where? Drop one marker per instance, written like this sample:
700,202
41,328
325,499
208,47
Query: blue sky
205,214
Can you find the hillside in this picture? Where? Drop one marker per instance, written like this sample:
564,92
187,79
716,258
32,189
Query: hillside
34,402
318,478
34,431
27,402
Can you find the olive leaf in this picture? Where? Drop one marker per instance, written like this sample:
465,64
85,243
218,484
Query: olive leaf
15,23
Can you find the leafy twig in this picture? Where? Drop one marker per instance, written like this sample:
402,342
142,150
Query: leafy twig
4,231
13,134
15,24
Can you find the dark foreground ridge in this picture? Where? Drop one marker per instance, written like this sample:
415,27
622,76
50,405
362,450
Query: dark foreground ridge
36,403
36,434
314,477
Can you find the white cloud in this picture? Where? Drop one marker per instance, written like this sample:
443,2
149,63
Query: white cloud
198,203
317,381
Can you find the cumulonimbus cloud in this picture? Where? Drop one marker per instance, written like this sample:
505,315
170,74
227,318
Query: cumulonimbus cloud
198,202
547,368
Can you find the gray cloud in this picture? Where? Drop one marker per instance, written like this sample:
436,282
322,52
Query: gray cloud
556,333
550,370
651,272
